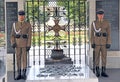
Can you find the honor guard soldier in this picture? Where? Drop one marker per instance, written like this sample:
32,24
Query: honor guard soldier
21,42
100,41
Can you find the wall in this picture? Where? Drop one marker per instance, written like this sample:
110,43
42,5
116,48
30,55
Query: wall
112,12
11,9
111,9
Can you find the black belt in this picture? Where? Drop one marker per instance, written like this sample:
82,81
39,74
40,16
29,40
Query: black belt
25,36
98,34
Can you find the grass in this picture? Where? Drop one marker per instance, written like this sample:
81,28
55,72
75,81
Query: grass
74,37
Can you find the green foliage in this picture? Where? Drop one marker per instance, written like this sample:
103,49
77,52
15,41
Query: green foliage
75,10
79,37
35,11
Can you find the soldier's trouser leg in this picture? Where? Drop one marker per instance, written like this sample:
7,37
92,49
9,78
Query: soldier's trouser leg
24,63
97,55
18,58
103,55
104,60
24,58
97,59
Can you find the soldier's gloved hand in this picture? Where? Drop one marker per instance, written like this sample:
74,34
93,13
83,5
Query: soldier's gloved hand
93,45
14,45
108,46
27,48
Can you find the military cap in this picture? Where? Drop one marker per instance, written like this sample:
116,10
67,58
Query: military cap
100,11
21,12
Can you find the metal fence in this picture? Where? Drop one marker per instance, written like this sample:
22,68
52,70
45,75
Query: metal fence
70,35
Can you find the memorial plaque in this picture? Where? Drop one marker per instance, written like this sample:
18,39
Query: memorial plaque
11,14
59,70
111,9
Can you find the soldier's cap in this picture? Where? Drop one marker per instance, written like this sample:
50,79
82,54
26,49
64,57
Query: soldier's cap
100,11
21,12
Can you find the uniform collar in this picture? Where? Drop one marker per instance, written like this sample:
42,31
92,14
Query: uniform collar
21,21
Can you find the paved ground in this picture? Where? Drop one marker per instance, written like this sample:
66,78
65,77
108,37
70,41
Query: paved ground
114,76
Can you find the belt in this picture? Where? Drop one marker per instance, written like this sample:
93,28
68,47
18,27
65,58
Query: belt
98,34
25,36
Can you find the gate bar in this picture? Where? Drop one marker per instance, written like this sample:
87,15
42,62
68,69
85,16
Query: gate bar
39,31
79,35
33,32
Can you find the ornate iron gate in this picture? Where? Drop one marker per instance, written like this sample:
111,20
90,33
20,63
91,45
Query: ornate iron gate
70,34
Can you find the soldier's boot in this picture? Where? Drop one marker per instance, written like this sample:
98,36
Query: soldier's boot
103,73
24,74
97,71
19,75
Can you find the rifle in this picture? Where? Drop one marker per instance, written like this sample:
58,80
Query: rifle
93,60
28,60
14,64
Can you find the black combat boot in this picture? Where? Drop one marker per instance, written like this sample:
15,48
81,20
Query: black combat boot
19,75
103,73
97,71
24,74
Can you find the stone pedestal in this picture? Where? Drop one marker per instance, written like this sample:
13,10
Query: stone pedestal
3,73
57,56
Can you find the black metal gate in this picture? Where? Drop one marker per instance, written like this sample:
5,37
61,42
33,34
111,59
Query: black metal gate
70,34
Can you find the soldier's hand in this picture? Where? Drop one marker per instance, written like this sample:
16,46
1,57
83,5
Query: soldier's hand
108,46
27,48
14,45
93,45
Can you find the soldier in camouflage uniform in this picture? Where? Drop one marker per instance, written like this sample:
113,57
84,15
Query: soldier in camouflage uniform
21,42
101,41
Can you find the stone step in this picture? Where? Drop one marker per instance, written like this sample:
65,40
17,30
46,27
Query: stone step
60,73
